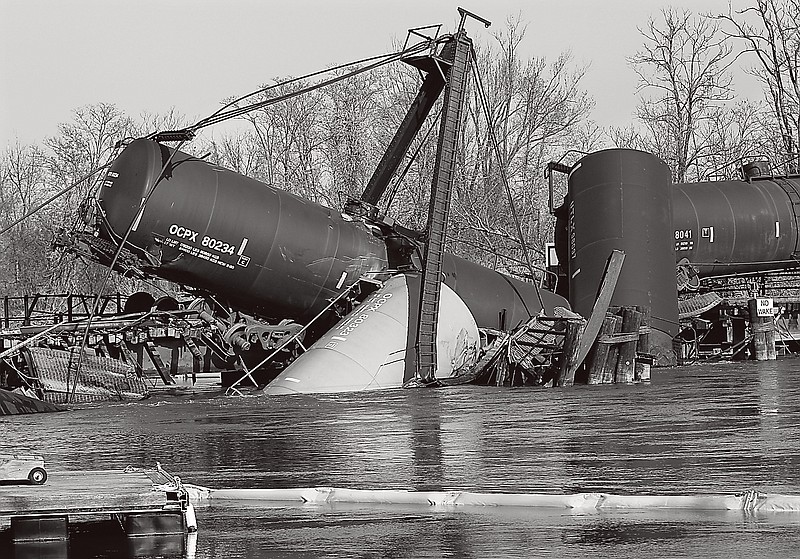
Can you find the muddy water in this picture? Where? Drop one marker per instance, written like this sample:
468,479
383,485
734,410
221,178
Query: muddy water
720,428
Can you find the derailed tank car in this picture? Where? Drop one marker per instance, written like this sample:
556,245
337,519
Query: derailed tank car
265,249
214,229
735,240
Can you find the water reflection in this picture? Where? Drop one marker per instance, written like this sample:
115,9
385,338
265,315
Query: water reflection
426,442
612,531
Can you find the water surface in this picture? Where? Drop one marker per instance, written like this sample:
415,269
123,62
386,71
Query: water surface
714,428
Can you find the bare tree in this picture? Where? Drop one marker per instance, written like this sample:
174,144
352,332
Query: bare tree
771,32
734,135
149,123
237,151
23,186
532,109
350,131
684,62
81,146
288,138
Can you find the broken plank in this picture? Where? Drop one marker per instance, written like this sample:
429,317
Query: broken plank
606,291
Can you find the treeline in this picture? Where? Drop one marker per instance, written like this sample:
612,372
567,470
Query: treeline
324,145
689,113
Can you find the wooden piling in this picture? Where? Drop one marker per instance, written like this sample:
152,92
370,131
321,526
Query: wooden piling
572,339
642,371
613,352
769,337
631,320
763,333
599,354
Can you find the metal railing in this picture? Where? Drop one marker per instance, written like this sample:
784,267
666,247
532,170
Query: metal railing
39,309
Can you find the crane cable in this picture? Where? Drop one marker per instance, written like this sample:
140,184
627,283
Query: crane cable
226,113
496,145
56,195
396,186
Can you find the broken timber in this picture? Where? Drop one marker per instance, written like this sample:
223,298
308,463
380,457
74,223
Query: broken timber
606,291
18,402
553,349
525,356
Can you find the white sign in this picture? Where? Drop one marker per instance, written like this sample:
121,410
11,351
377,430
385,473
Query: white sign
764,306
551,255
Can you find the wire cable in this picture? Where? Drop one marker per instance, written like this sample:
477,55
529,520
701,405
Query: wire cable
226,113
503,175
396,186
293,80
56,196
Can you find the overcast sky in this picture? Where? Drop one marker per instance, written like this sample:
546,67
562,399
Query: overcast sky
151,55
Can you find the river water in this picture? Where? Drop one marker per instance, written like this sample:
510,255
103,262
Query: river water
717,428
